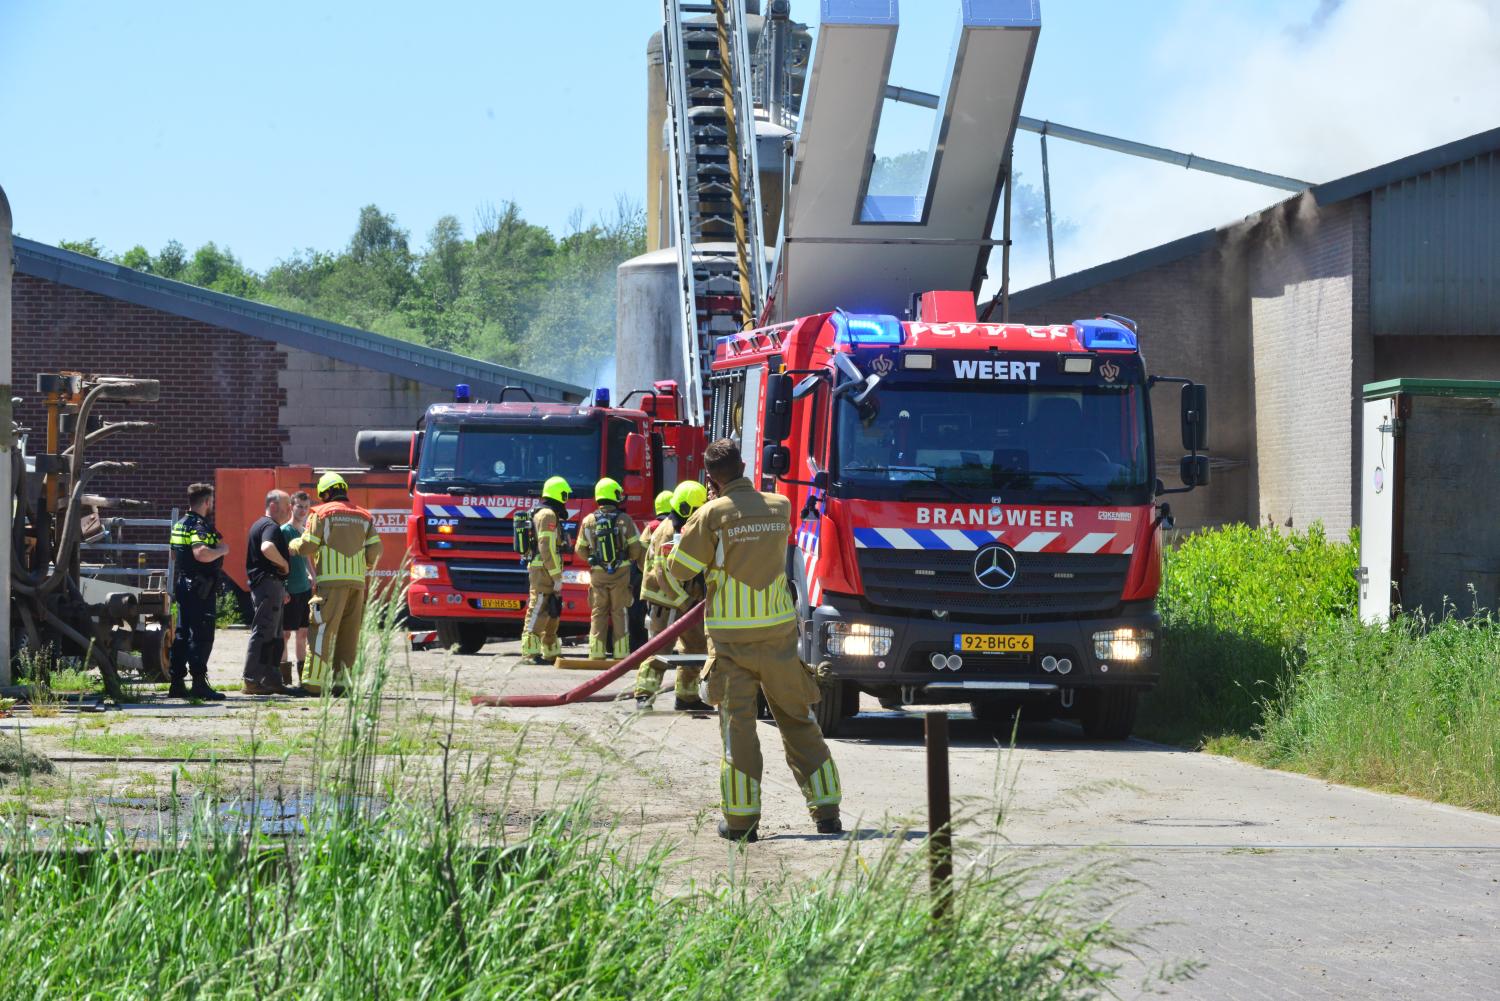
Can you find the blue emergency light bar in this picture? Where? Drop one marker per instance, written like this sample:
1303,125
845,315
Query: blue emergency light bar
601,396
867,328
461,393
1105,335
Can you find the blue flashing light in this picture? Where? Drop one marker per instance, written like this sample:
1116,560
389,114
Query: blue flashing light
867,328
601,396
461,393
1105,335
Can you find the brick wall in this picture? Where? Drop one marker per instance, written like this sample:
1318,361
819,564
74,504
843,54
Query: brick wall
227,399
219,392
1309,338
1192,322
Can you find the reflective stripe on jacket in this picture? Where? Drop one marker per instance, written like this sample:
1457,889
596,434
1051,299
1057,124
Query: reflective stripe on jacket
544,521
588,531
658,586
738,541
341,541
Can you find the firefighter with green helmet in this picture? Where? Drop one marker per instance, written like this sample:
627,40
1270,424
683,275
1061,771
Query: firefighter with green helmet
538,535
663,508
666,598
610,544
341,541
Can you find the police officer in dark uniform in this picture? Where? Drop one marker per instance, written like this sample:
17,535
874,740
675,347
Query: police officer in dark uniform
198,552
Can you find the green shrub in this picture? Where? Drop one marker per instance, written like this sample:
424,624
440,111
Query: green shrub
227,611
1236,603
1413,707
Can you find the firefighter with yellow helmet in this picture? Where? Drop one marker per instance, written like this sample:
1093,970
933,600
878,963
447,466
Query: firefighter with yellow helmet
738,542
666,598
609,543
340,540
543,551
663,508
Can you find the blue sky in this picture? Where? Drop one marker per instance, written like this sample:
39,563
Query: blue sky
267,127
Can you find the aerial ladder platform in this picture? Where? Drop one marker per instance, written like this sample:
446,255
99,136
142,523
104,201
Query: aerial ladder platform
840,244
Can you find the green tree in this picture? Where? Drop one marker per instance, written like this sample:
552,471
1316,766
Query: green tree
218,269
89,247
137,257
172,261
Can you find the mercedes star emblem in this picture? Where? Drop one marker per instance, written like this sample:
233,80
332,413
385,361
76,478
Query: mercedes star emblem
995,567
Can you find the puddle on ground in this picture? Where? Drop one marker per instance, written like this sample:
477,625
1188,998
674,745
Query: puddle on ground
275,816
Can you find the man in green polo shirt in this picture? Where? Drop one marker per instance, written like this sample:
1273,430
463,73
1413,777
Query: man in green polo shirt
299,589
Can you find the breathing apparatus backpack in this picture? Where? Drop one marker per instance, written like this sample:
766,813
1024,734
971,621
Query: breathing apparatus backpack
609,539
524,532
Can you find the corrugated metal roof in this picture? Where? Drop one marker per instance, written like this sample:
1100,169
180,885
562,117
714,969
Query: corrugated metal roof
1435,251
360,347
1407,167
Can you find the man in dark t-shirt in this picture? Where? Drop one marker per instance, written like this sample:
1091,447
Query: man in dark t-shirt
266,567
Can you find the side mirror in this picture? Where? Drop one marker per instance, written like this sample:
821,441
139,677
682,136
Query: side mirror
807,386
1195,418
775,460
1194,470
635,452
778,418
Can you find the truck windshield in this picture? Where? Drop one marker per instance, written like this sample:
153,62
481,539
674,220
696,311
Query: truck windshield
1067,444
485,456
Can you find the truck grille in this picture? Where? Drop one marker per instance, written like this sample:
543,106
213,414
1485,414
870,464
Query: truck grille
489,578
1047,583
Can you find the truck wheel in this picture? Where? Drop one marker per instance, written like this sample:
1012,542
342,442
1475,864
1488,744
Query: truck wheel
996,716
829,711
466,636
1110,713
156,652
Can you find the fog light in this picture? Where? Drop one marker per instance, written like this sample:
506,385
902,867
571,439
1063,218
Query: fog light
858,639
1064,665
424,571
1125,644
1049,663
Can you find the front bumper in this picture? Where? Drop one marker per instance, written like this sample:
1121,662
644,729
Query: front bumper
431,599
918,636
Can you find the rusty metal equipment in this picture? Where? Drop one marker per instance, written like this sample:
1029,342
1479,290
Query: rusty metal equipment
55,601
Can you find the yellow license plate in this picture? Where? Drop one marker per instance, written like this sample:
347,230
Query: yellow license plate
993,643
510,603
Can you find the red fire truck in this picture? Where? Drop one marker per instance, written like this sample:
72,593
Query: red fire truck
976,509
474,464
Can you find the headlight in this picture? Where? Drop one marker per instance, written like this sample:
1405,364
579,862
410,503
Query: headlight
1124,644
858,639
424,571
575,577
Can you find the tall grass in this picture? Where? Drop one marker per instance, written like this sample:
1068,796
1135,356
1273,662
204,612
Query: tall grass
1413,708
414,885
1236,605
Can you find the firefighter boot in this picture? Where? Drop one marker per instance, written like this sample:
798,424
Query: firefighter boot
622,647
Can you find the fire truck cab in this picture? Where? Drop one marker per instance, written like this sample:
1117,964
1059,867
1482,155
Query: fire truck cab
475,464
976,506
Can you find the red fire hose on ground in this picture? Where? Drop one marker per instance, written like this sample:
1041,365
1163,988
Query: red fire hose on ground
654,645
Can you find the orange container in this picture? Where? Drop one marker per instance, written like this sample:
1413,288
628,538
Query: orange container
240,498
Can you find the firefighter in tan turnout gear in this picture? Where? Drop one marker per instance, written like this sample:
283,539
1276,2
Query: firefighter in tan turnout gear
738,541
666,598
538,534
341,542
609,543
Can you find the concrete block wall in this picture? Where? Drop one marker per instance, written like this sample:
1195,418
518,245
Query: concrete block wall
326,401
1193,322
219,394
1311,354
